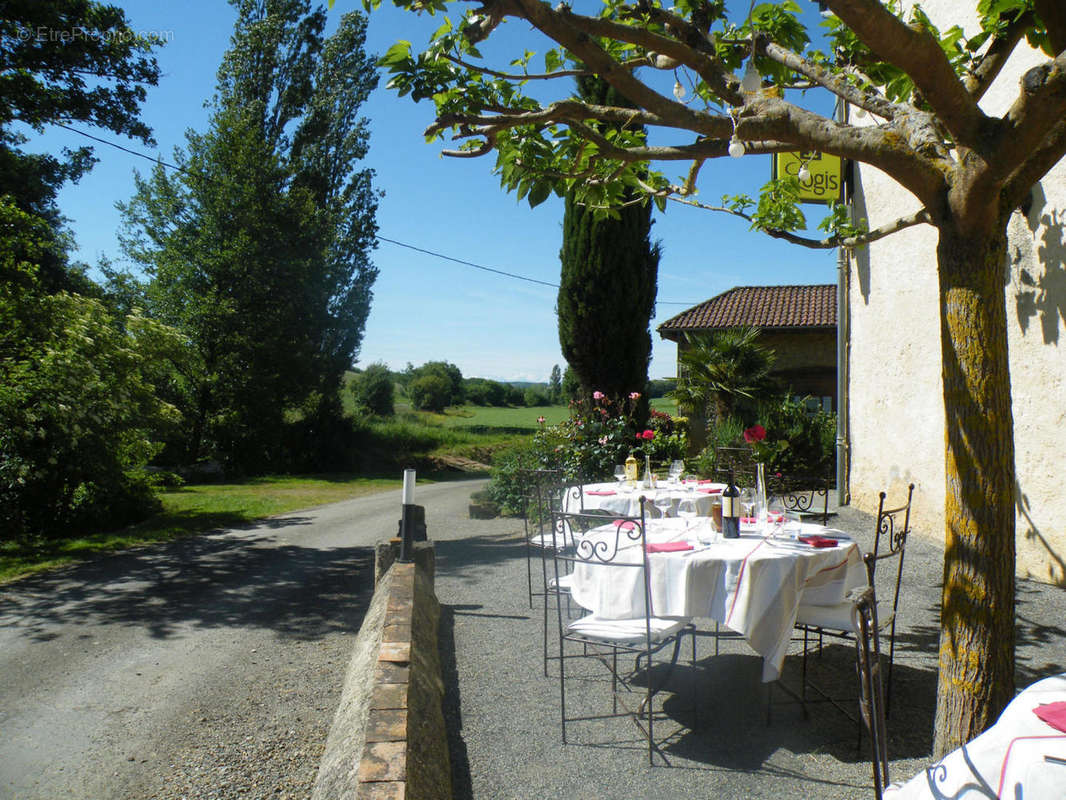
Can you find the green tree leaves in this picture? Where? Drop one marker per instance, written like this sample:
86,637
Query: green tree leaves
259,249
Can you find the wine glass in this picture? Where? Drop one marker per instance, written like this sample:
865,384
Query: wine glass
747,502
620,474
775,517
676,468
663,502
688,509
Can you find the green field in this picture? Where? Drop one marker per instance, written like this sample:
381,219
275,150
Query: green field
510,418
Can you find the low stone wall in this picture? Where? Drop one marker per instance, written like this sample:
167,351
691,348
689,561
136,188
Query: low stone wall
388,740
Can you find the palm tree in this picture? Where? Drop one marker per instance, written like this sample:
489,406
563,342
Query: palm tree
722,374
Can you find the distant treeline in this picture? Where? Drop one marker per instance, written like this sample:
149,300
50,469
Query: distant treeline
435,385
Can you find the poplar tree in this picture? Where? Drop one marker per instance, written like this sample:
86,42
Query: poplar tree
258,248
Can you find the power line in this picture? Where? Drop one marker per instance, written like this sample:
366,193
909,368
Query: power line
377,236
468,263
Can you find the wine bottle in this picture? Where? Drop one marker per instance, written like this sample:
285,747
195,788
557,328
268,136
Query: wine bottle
731,509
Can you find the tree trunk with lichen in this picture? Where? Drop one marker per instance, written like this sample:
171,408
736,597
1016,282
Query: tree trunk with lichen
977,623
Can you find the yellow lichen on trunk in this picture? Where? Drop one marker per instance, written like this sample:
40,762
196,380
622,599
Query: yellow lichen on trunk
977,621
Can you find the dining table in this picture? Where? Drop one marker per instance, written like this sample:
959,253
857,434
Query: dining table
624,498
1023,755
753,584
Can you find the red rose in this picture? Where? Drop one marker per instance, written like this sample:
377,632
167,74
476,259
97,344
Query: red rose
756,433
648,434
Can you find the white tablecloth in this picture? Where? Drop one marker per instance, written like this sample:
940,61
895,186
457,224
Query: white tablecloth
1019,756
620,500
751,584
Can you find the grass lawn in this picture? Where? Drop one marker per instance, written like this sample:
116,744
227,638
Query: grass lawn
492,417
194,509
510,418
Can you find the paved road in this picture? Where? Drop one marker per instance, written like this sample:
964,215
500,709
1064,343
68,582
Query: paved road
205,668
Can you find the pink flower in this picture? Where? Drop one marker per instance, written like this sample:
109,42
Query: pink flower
603,440
648,434
540,420
597,395
634,395
756,433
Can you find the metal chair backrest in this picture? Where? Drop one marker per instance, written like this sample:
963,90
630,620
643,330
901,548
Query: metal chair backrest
871,687
600,541
890,540
802,493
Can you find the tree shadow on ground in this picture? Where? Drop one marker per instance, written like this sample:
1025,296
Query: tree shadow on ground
210,581
468,557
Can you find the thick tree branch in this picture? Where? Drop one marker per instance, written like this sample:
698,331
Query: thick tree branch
1050,152
920,217
836,83
917,53
1039,109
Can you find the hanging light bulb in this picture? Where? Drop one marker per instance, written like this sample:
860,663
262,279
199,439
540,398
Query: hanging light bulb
804,174
859,112
736,147
679,90
752,80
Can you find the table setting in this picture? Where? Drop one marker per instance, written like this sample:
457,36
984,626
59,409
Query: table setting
753,584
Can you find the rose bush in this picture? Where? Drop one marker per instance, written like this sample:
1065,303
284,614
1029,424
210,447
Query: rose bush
598,435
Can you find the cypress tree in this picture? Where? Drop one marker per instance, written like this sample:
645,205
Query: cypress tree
607,287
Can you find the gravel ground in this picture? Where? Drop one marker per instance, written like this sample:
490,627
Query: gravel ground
504,712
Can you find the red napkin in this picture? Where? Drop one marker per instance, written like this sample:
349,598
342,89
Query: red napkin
818,541
708,480
1054,714
710,491
601,492
748,520
623,523
667,547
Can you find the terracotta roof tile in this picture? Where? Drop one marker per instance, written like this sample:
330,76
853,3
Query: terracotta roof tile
761,306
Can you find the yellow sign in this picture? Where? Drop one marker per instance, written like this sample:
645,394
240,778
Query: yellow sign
826,181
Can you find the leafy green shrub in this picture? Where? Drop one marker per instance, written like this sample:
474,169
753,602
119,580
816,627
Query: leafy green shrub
373,391
804,440
597,435
509,485
811,437
430,392
533,397
78,416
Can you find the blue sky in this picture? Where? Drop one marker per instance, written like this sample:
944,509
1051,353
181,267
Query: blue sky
426,308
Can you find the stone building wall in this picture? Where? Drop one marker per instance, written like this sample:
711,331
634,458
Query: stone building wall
896,420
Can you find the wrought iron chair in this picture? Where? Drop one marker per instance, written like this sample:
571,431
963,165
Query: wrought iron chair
550,492
871,688
619,545
802,494
890,542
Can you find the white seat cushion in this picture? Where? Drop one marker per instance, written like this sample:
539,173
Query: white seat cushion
838,617
624,631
